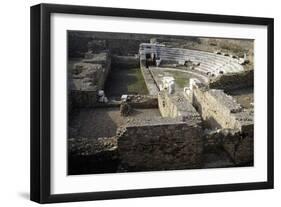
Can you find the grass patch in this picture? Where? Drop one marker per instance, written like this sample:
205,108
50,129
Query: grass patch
125,81
139,85
181,79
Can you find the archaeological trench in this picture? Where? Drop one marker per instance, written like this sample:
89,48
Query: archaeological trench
204,121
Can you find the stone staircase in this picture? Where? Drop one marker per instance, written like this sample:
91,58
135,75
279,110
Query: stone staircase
210,63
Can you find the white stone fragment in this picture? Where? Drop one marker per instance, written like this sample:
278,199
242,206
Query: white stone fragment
193,83
124,97
158,61
169,84
100,93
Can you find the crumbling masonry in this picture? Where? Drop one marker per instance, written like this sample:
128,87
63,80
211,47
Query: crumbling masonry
202,117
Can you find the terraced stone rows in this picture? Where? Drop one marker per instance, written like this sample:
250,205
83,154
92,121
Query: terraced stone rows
209,62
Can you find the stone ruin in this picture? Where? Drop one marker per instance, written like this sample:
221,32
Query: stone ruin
199,119
211,64
230,126
87,79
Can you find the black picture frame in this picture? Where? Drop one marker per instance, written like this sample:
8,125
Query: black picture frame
41,96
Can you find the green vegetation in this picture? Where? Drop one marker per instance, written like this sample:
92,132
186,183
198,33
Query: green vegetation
139,85
125,81
181,78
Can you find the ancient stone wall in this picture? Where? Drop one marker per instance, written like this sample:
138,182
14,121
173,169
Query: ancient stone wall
148,79
90,155
233,125
104,60
142,101
160,144
239,145
87,78
233,81
176,105
220,110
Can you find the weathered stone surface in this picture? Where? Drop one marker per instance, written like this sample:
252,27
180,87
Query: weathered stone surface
142,101
149,80
233,81
220,110
98,58
238,145
91,146
226,101
234,124
88,155
209,64
87,78
175,140
176,105
165,144
125,109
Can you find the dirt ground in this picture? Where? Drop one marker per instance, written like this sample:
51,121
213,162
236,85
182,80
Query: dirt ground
102,122
94,123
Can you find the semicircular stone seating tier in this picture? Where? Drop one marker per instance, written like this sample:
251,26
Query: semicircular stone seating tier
210,63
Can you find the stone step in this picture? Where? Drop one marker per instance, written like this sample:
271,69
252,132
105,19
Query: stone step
209,62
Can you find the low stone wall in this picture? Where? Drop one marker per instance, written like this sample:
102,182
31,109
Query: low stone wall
104,60
88,155
91,146
240,148
238,145
149,80
233,81
235,124
87,78
176,105
220,110
160,144
142,101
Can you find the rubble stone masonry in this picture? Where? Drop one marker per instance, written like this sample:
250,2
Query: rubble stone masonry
233,81
232,125
221,110
88,77
160,144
